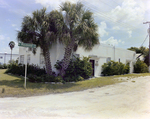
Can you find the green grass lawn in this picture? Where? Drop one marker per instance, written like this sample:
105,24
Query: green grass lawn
12,86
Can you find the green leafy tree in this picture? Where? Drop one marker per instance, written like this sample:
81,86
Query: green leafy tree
144,51
41,29
140,67
11,45
79,29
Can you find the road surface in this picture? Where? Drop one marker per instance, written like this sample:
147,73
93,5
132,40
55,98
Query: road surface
127,100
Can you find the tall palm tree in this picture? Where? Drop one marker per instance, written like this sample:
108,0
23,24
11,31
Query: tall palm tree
11,45
41,29
79,29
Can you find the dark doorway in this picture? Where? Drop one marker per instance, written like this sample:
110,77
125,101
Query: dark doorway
93,64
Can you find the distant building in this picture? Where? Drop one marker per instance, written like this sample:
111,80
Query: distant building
5,57
99,55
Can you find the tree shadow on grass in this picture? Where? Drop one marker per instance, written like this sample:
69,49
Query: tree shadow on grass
60,86
16,83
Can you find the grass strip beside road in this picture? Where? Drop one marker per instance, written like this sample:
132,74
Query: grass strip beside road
12,86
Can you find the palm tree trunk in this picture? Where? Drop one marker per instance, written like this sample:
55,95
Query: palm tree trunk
66,59
11,57
48,63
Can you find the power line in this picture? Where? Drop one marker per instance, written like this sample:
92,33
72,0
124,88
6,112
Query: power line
144,40
109,18
115,2
138,42
107,4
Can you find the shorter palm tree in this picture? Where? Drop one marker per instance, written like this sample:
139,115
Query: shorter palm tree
41,29
11,45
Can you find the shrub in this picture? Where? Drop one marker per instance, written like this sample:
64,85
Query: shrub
140,67
44,78
114,68
3,66
32,78
127,68
34,69
19,69
73,78
48,78
58,79
77,68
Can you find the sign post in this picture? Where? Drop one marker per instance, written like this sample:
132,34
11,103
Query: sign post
30,46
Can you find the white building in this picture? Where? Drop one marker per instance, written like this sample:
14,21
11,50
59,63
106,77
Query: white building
99,55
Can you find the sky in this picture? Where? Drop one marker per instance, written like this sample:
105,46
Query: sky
120,22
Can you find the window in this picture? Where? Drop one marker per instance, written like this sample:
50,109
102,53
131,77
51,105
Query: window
28,59
108,59
22,59
42,59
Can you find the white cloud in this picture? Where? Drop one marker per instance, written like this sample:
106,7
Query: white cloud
17,29
116,28
102,29
129,13
2,37
130,33
19,12
52,3
3,4
13,25
14,51
112,41
7,19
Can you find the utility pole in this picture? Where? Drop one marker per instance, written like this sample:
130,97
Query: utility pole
148,22
114,52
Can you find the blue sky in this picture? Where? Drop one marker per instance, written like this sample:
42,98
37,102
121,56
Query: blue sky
120,21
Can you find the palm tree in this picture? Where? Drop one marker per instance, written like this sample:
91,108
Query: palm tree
11,45
41,29
79,29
